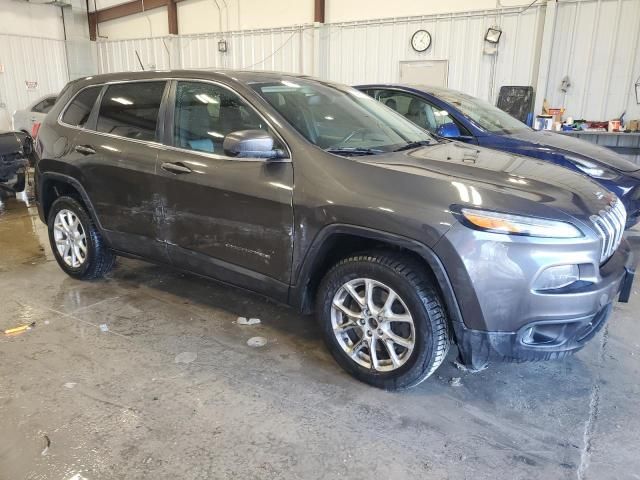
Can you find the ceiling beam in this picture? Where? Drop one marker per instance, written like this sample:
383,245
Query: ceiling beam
318,11
131,8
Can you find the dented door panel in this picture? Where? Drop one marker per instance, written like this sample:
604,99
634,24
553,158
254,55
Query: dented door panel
227,215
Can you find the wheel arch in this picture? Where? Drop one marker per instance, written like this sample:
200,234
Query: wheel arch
336,241
52,185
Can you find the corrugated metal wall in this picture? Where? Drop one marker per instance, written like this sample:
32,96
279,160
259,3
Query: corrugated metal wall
32,59
287,49
597,45
356,52
371,51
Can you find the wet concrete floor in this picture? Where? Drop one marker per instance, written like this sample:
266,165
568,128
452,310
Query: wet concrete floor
146,375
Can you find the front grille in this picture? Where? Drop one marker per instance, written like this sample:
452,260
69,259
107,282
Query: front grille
610,224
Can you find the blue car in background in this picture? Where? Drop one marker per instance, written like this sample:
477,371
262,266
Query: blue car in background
455,115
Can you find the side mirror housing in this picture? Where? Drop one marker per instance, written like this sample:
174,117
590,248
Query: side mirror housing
251,144
448,130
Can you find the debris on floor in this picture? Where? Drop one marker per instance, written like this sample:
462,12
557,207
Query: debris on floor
47,444
455,382
70,384
185,357
104,327
464,368
245,321
257,342
19,329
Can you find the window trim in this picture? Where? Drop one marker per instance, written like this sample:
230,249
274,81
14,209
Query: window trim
165,114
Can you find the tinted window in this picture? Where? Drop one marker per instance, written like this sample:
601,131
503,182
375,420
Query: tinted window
206,113
131,110
78,111
44,106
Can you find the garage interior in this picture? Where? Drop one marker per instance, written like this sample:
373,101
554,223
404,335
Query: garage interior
154,373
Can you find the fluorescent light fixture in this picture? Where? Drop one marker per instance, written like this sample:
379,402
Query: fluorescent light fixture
122,100
328,117
204,98
493,35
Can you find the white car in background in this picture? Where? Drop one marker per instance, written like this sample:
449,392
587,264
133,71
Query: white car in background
23,120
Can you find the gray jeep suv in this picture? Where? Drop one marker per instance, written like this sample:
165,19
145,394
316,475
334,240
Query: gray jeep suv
317,195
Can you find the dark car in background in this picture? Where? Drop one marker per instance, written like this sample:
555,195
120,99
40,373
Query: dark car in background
451,114
15,151
318,196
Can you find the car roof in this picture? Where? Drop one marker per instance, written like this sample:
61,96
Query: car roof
428,89
242,76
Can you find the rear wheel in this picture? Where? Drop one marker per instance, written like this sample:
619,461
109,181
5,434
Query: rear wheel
382,319
76,242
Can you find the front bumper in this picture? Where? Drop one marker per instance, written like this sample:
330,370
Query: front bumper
542,340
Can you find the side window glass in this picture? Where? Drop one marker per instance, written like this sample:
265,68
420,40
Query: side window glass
130,110
79,109
205,114
44,106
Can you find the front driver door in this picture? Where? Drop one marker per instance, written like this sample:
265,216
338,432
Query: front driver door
224,217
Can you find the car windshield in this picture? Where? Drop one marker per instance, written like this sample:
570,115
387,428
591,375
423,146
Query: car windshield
490,118
341,119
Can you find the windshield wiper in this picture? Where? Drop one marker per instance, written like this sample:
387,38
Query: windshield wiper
353,151
410,145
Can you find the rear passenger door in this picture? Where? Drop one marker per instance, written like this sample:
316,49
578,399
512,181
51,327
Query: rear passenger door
228,218
116,151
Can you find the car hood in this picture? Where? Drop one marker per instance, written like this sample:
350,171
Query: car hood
458,173
567,145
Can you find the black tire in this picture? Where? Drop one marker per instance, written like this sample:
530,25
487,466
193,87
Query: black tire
408,279
99,258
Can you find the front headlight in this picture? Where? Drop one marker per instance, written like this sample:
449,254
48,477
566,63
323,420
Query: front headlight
593,169
518,225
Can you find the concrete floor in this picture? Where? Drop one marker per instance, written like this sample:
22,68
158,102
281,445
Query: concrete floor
79,402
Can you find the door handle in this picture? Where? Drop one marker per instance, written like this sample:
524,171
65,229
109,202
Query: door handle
85,149
175,167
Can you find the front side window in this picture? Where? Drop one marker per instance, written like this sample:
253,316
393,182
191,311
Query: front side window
130,110
45,105
338,118
78,111
417,110
205,113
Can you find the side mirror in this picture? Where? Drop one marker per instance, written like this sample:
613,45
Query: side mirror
251,144
448,130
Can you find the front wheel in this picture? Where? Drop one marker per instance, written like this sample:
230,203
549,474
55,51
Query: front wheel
383,320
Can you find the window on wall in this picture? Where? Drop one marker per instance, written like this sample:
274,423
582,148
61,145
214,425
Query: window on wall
130,110
78,111
206,113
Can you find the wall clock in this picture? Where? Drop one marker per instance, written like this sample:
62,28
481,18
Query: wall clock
421,40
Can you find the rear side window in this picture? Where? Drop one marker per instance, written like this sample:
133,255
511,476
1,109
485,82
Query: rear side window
79,109
131,110
44,106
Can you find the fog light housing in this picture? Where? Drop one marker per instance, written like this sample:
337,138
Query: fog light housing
557,277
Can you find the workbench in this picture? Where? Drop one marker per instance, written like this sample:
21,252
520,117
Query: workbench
626,144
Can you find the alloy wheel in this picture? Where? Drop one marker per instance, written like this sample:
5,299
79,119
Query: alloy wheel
70,238
372,324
